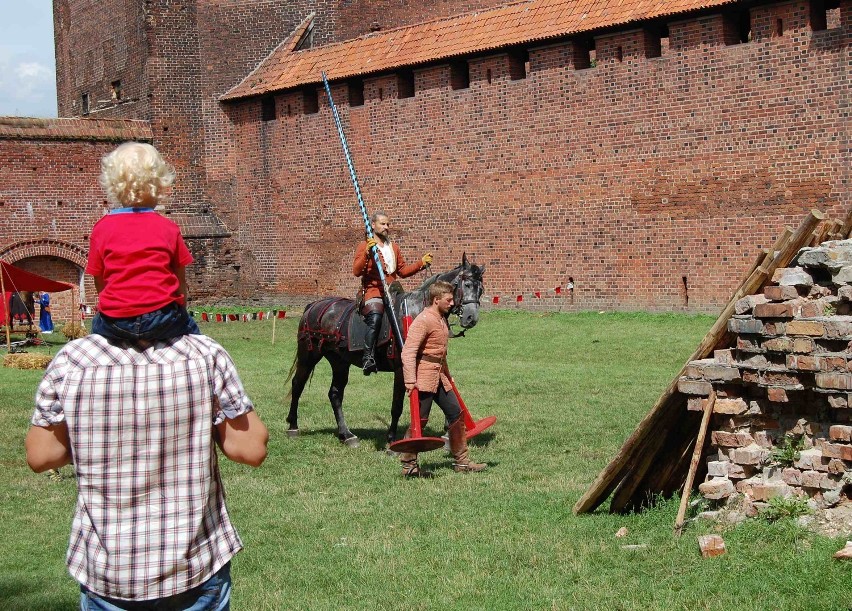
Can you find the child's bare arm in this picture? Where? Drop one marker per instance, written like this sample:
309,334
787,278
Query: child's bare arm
99,284
180,272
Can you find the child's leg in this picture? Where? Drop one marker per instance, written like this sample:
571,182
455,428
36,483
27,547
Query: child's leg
116,328
167,322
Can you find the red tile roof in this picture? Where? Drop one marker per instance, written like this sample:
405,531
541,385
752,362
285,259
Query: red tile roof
117,130
518,23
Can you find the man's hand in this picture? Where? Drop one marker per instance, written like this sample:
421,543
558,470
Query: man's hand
427,259
408,389
371,242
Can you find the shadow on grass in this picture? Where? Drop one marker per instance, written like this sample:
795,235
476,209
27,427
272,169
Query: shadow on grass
378,437
35,596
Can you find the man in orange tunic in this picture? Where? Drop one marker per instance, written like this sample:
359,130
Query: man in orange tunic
424,366
365,268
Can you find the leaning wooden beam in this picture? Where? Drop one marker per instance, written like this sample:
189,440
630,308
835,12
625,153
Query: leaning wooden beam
835,231
668,466
763,254
847,225
628,486
610,478
693,464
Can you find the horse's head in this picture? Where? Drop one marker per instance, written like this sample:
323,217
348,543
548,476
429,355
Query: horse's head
467,286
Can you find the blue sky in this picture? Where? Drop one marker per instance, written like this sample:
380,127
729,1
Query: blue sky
27,62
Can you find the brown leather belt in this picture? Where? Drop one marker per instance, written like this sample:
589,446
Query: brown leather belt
433,359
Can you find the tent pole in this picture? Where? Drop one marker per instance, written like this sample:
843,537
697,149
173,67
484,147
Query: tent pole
75,305
6,310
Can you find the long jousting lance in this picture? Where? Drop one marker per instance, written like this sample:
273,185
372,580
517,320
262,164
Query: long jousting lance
415,442
369,226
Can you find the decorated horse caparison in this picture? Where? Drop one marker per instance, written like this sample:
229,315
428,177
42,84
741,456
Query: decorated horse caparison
332,329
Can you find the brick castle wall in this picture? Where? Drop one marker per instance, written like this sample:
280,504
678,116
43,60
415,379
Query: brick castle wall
97,44
650,178
647,178
50,196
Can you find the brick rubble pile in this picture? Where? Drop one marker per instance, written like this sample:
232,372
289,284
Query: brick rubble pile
782,420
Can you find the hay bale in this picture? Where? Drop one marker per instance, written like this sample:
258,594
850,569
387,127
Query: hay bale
25,360
74,330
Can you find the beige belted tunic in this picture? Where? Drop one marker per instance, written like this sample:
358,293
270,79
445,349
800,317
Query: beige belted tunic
424,356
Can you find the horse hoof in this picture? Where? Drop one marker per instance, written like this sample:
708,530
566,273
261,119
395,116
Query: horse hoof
292,432
352,442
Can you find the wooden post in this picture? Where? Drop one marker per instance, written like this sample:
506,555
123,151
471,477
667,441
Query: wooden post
75,305
847,225
693,465
274,318
6,322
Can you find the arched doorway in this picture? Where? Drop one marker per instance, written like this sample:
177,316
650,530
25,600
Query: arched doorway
57,261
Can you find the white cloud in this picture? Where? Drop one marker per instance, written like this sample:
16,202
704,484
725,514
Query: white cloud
33,71
27,78
27,88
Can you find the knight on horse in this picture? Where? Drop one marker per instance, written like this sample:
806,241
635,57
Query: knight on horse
364,267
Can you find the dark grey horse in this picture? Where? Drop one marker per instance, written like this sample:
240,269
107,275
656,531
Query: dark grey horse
323,333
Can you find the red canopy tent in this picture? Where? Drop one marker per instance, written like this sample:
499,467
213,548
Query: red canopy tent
14,279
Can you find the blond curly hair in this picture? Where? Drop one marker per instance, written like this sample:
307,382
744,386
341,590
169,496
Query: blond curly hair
134,174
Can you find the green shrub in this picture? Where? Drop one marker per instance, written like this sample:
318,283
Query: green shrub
787,452
780,508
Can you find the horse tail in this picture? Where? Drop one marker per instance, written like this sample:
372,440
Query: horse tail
292,371
303,335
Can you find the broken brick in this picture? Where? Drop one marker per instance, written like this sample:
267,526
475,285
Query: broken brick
712,545
776,394
780,293
812,328
836,450
840,433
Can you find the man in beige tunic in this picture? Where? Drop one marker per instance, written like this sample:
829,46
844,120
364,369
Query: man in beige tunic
424,366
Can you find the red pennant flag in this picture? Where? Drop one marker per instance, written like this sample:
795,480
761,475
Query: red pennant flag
218,318
495,299
204,317
558,290
519,298
537,294
282,313
232,317
260,315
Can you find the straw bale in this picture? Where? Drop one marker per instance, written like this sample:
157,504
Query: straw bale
26,360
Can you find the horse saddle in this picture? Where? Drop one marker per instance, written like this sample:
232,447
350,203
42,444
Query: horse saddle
357,328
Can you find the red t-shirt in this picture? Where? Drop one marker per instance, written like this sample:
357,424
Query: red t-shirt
135,252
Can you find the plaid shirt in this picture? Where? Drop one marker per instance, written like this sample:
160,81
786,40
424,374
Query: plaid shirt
151,519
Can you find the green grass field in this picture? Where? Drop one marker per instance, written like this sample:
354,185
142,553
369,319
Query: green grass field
327,527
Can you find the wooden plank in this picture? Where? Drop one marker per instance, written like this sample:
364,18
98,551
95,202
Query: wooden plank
762,254
611,476
847,225
629,484
671,464
693,465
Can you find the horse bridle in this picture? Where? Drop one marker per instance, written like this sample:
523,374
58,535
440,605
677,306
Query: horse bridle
458,294
459,302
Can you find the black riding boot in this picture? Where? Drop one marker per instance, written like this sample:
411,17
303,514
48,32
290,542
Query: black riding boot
374,321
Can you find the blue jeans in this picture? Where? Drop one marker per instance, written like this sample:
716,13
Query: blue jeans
169,321
212,595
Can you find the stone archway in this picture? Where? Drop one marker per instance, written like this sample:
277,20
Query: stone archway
56,260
